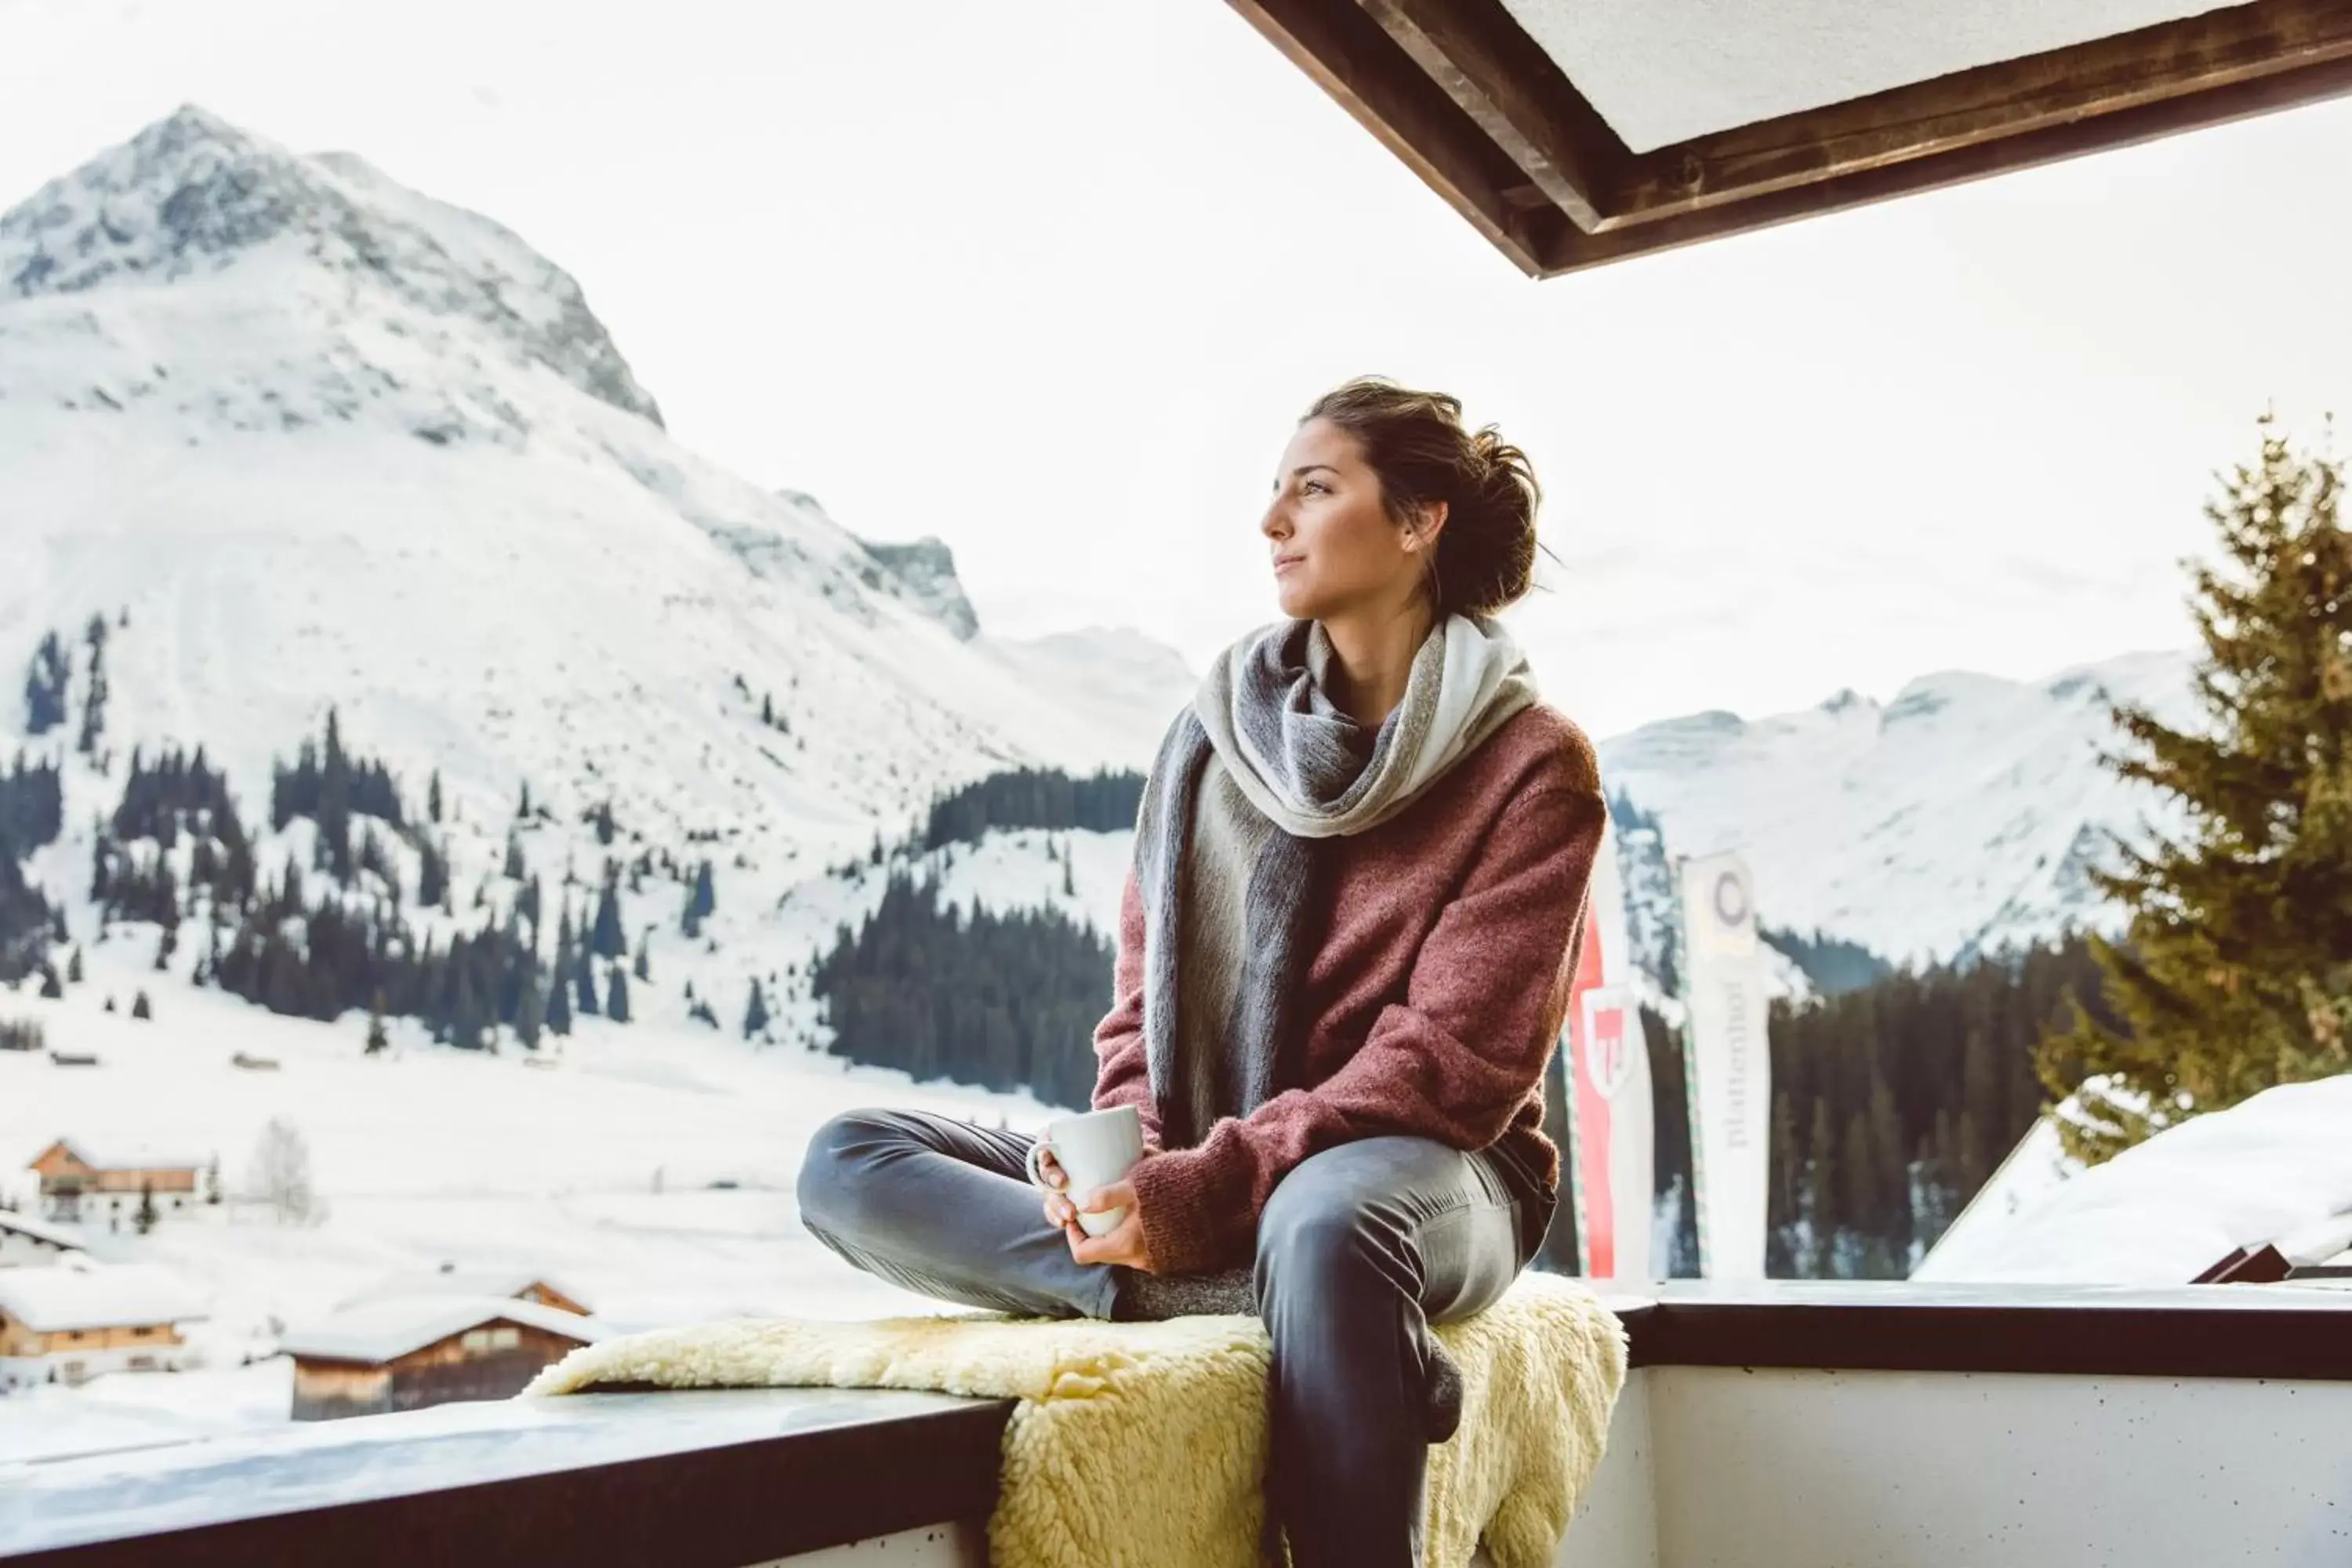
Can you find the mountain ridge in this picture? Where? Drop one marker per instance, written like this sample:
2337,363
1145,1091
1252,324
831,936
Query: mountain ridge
1962,815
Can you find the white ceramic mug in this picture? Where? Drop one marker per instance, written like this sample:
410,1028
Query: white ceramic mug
1094,1150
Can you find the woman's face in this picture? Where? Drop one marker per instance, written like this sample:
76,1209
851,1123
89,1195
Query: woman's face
1335,550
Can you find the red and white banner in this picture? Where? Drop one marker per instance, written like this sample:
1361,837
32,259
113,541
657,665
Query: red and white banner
1610,1135
1729,1064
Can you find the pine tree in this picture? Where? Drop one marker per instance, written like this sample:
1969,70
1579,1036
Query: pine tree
2236,972
755,1014
73,966
583,983
514,866
141,1007
1820,1193
378,1042
559,990
45,687
433,800
1783,1197
616,995
643,968
146,1218
466,1016
606,940
531,1009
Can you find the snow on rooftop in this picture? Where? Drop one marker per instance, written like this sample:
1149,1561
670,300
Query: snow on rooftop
1662,72
113,1295
452,1280
388,1329
41,1230
2274,1168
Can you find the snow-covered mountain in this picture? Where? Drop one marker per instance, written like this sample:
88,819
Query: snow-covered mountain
1956,819
307,439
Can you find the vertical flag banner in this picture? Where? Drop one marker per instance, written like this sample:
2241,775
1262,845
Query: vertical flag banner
1609,1111
1729,1064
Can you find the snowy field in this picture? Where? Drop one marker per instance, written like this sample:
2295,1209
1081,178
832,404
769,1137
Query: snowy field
598,1171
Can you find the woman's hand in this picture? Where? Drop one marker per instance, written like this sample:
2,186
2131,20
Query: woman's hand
1060,1212
1121,1243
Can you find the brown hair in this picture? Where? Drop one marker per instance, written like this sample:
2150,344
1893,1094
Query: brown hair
1416,443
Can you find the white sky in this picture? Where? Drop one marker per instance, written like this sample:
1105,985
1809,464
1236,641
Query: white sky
1051,278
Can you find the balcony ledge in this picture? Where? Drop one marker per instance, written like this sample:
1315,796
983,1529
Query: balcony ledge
736,1476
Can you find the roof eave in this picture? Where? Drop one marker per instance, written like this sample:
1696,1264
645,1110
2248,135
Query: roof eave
1488,121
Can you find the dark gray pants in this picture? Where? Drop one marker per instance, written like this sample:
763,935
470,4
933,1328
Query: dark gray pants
1361,1247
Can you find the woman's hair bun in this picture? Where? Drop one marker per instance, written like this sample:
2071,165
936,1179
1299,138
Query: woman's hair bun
1416,443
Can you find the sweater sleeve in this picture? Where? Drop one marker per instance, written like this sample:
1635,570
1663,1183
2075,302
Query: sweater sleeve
1121,1075
1454,1061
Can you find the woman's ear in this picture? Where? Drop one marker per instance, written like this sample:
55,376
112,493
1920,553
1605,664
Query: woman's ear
1428,521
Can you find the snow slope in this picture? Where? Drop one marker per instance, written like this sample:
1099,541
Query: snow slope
327,440
598,1171
1958,817
306,440
2161,1213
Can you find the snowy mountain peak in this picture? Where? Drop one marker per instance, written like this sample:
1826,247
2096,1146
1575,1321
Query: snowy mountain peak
927,568
1846,700
193,194
1965,814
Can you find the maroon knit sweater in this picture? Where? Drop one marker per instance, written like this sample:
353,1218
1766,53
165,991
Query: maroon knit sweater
1434,996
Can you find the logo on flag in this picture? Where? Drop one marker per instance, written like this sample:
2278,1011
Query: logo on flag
1608,1055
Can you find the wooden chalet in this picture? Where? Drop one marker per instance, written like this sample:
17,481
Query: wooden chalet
1576,132
68,1325
404,1352
81,1183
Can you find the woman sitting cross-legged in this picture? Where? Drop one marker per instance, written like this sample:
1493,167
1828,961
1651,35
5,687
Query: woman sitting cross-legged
1344,955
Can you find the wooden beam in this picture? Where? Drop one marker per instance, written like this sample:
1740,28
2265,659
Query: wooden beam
1574,250
2215,53
1501,78
1353,59
1456,89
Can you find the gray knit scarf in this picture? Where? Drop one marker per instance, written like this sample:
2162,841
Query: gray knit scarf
1262,764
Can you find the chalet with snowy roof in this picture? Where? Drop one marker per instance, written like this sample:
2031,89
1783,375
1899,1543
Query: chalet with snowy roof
449,1279
81,1183
404,1352
25,1241
69,1325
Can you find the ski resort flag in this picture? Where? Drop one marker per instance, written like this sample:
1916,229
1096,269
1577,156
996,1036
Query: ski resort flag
1727,1063
1609,1090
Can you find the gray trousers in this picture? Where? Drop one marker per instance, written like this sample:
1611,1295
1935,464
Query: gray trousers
1359,1250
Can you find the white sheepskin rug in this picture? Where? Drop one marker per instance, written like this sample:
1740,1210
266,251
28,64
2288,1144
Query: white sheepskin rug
1144,1444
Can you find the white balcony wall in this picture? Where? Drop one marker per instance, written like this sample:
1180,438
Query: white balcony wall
1772,1468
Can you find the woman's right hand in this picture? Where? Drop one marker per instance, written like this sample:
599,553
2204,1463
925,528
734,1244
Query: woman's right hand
1061,1212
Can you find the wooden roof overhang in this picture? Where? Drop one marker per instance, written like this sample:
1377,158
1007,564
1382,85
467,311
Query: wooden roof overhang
1461,93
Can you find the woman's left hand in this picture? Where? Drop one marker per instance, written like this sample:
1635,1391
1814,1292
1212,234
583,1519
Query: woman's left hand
1121,1243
